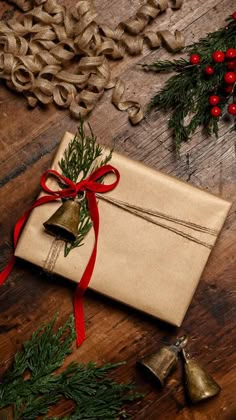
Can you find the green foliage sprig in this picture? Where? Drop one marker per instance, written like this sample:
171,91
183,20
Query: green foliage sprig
32,387
186,93
79,159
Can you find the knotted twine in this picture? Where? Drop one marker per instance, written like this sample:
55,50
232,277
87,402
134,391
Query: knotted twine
37,48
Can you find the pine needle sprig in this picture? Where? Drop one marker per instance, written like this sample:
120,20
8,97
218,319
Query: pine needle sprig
186,93
33,385
82,156
219,40
165,66
33,358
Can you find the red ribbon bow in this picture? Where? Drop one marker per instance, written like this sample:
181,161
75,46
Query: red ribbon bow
91,187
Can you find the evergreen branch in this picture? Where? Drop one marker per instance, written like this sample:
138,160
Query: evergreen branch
186,94
167,65
32,386
219,40
82,157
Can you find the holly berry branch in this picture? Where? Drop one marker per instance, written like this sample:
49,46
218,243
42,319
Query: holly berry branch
203,88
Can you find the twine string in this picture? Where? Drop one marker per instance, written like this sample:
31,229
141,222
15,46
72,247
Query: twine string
146,214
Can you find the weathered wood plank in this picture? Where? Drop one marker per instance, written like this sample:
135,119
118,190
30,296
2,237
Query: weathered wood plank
28,140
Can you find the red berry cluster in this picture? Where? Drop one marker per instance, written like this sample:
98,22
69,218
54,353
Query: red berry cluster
213,101
229,76
220,57
215,110
229,57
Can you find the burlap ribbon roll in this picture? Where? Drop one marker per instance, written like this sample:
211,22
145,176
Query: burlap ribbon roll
37,49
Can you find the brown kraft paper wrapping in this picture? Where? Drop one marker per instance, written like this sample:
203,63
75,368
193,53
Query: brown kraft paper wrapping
139,263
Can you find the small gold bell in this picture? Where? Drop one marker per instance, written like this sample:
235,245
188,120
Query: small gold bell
64,222
159,365
200,385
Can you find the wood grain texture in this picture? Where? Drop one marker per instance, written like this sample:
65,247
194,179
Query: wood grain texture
28,140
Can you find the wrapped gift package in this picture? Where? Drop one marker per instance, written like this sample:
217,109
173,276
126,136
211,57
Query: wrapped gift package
156,234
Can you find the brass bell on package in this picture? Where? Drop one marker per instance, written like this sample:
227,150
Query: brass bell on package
64,222
200,385
159,365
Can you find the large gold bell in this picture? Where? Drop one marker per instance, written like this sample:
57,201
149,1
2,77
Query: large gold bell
200,385
160,364
64,222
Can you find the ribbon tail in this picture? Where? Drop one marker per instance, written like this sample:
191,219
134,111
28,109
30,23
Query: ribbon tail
17,231
83,284
79,317
7,270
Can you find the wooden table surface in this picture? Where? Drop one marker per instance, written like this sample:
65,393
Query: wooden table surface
28,140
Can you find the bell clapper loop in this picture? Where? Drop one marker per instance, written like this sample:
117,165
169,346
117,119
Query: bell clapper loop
180,343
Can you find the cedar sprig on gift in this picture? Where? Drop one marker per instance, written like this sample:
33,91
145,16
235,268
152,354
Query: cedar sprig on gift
31,385
82,157
203,88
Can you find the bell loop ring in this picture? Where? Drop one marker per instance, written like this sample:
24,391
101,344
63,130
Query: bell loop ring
80,197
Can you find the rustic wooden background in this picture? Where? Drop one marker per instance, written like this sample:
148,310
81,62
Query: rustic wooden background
28,140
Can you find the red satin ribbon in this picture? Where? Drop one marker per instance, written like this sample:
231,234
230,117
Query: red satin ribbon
91,187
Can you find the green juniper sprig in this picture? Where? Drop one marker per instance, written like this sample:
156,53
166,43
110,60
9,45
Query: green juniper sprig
82,156
32,386
186,94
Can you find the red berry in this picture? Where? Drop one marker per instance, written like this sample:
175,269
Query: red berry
230,77
232,109
231,65
194,59
209,70
229,88
230,53
218,56
214,100
234,15
215,111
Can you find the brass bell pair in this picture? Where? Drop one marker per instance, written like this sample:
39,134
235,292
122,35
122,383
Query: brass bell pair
199,384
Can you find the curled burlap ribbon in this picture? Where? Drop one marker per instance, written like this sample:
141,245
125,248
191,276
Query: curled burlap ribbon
38,53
